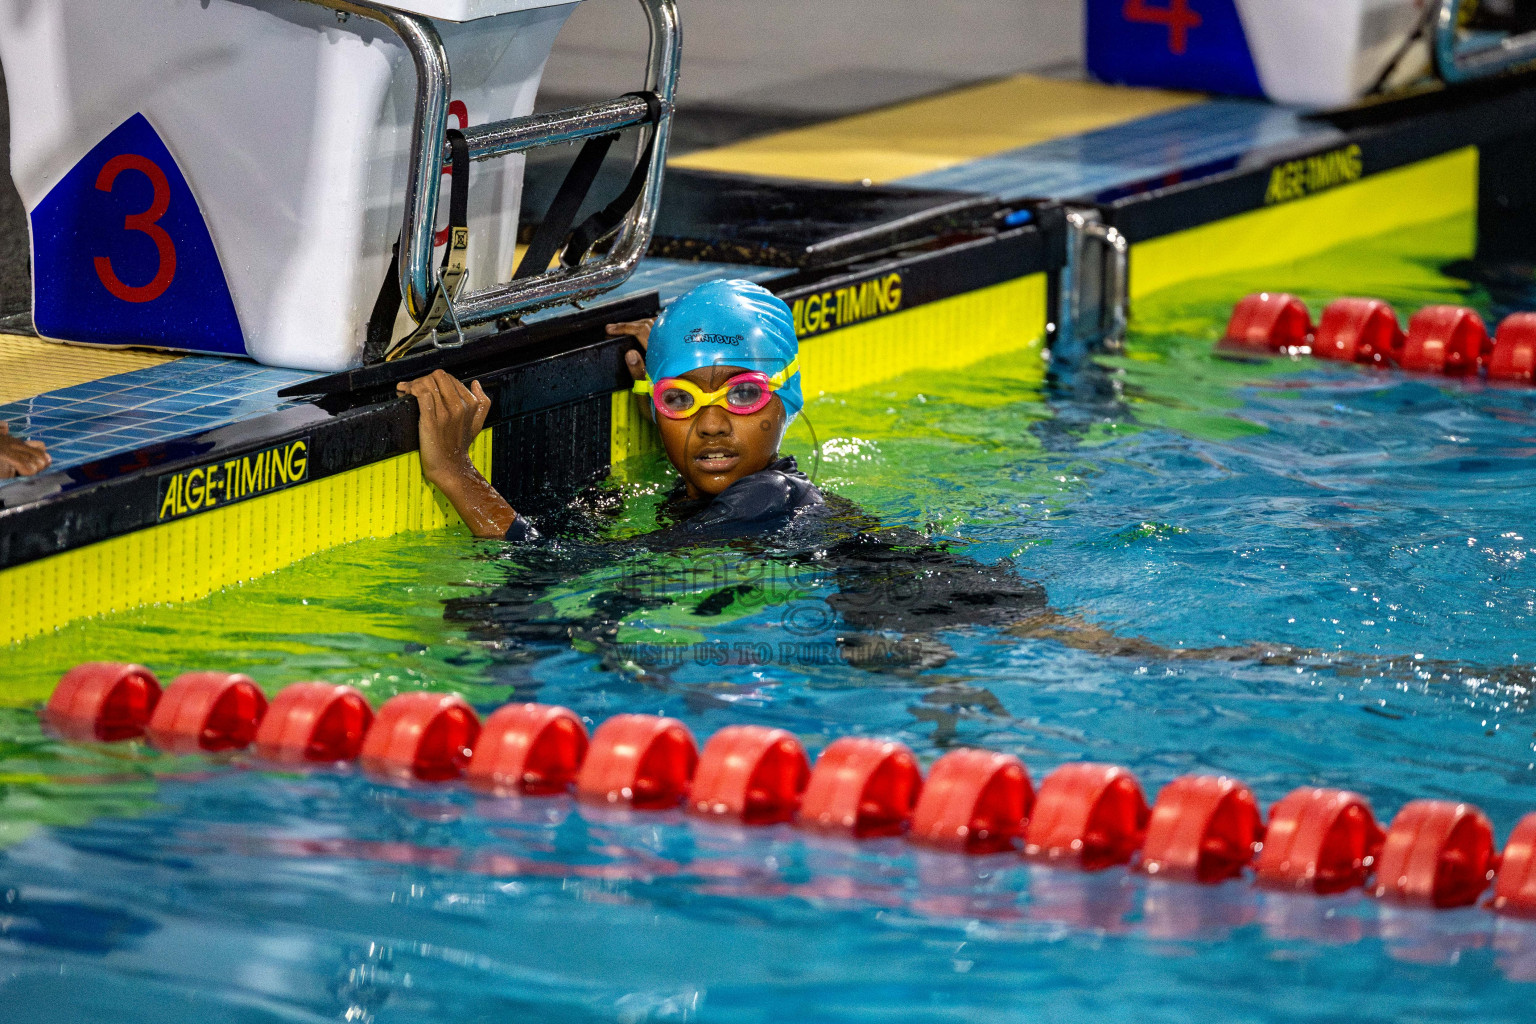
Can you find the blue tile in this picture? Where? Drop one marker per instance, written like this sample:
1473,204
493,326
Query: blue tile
180,403
40,402
86,390
1145,150
40,420
216,392
108,424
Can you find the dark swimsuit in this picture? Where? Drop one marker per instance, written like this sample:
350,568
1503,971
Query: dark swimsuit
754,505
886,579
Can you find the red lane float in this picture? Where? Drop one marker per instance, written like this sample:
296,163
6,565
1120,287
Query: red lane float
1359,331
974,800
424,736
1514,350
1269,322
1445,339
1204,828
207,711
1515,891
1450,340
862,787
535,749
751,773
1091,815
644,761
103,701
319,722
1325,840
1438,853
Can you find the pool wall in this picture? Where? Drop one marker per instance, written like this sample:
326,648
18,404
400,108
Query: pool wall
139,528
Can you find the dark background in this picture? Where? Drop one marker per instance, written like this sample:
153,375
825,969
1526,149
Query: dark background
15,278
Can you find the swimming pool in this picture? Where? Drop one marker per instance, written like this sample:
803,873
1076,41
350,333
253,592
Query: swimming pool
1166,494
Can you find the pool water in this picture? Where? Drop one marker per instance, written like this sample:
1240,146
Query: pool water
1379,520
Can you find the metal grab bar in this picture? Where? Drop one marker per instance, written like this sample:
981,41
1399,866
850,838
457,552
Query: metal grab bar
1094,301
500,138
1460,62
428,151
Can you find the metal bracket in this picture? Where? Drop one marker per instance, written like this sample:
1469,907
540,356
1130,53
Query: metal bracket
1481,54
428,154
1093,301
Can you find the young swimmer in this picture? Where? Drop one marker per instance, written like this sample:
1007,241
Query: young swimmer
721,378
723,386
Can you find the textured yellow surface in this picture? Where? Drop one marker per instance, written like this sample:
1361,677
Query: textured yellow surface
632,434
190,558
941,131
1417,194
31,366
944,335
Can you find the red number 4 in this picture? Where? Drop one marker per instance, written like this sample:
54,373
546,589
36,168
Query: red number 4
1177,16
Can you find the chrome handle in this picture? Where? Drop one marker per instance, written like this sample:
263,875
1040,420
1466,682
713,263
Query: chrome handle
1460,61
429,125
518,134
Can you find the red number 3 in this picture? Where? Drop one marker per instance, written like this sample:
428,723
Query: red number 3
146,223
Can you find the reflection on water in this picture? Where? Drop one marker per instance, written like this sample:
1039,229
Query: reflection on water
1167,495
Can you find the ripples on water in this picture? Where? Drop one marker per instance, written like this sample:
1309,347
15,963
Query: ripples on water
1171,495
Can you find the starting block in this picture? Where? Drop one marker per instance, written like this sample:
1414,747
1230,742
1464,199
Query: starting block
262,177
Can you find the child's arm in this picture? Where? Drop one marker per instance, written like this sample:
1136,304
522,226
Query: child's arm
452,416
21,458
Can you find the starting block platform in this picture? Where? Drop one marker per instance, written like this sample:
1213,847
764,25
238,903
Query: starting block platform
980,216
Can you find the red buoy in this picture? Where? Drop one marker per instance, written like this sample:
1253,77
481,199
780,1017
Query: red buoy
1358,331
1514,350
1325,840
643,761
207,711
320,722
863,787
974,800
751,773
528,748
419,735
1092,815
1515,890
1438,853
1445,339
1204,828
1269,322
103,700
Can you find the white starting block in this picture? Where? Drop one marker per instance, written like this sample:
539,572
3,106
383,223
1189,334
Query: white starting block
232,176
1316,53
1313,53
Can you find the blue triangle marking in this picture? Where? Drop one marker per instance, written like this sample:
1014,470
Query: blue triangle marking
108,270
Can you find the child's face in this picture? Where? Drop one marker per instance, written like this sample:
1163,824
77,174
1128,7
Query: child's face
715,448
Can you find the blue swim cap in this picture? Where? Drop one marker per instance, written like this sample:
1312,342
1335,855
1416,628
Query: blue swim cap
727,323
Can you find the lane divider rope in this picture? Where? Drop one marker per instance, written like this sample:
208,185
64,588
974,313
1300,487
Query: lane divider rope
1448,340
1202,829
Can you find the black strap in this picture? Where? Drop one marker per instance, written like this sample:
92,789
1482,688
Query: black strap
458,191
606,220
381,322
547,239
562,212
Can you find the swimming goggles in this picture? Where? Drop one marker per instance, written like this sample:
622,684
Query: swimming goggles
744,394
